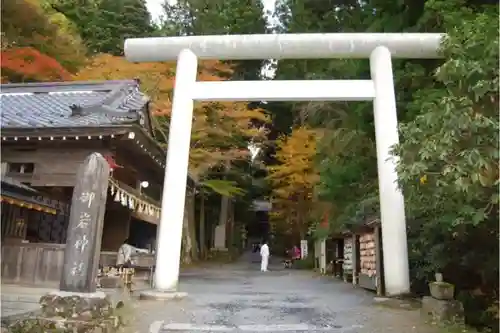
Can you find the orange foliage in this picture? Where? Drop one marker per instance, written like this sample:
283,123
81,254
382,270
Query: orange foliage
156,78
28,64
221,130
26,24
293,180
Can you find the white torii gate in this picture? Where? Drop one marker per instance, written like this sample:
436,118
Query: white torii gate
379,47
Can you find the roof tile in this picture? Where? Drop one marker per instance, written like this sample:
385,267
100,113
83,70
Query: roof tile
48,104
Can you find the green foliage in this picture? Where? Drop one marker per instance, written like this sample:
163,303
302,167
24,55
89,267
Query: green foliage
105,24
307,263
449,135
212,17
208,17
226,188
454,143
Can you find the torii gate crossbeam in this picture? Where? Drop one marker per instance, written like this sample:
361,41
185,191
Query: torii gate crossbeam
380,48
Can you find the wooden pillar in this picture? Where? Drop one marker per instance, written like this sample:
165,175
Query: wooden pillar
379,260
203,240
355,259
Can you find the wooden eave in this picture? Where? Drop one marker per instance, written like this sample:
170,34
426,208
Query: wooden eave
132,135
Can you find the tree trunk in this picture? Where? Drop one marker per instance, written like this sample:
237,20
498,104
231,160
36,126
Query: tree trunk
203,241
189,248
186,239
229,226
224,205
192,224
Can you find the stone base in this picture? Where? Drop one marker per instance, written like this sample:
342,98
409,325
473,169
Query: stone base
75,305
69,312
160,295
448,311
36,325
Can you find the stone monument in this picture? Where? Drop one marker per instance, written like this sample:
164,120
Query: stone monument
77,306
83,243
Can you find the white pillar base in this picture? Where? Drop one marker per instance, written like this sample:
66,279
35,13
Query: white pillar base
159,295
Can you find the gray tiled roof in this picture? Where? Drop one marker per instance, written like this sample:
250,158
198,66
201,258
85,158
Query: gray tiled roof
71,104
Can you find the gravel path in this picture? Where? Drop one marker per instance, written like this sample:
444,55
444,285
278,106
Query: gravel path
239,298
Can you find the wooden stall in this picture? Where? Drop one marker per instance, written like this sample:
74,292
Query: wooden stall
363,258
48,129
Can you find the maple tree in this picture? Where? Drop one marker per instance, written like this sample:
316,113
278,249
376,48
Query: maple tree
27,64
221,130
26,24
293,180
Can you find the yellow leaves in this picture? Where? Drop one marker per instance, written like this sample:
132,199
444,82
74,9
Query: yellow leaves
294,178
296,155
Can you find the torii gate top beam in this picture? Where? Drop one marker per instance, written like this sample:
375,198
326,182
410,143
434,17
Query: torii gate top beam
285,46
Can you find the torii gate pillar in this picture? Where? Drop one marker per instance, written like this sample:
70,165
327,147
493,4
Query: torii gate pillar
380,48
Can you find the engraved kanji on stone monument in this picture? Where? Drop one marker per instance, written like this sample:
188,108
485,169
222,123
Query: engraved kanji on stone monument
83,243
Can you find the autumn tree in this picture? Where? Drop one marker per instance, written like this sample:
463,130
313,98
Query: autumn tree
221,130
293,179
25,24
26,64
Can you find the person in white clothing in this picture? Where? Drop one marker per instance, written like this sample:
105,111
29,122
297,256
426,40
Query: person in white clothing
264,254
125,252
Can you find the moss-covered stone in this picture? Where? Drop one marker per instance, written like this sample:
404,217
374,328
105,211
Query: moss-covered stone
442,311
73,306
67,313
61,325
442,290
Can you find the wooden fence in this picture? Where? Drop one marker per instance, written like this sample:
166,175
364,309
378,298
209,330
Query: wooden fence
38,264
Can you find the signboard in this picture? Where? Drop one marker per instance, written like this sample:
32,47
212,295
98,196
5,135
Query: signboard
303,249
